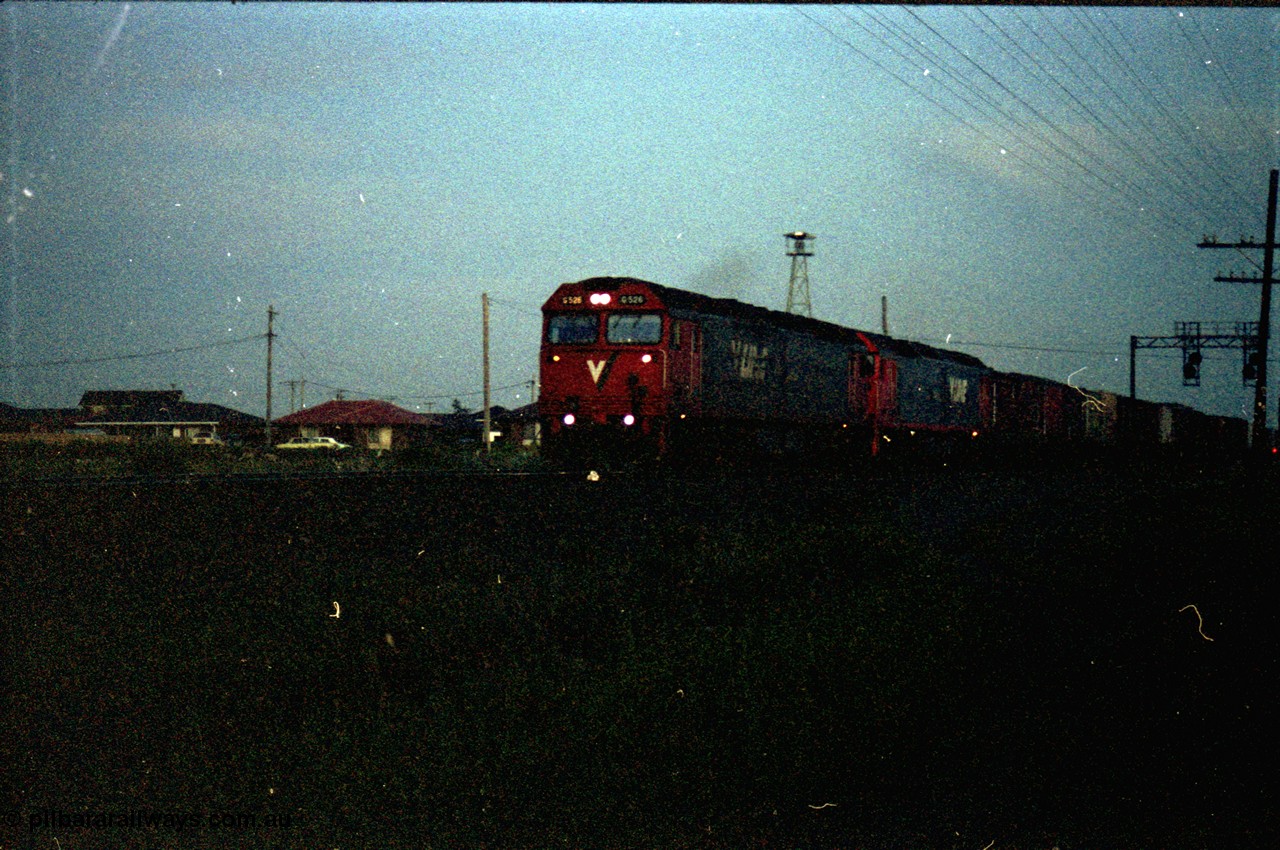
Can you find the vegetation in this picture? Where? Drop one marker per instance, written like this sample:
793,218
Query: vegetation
684,662
166,459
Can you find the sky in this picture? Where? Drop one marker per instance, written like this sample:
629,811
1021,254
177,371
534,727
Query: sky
1024,184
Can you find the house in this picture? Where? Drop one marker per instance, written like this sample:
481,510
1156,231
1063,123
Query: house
39,424
35,420
143,414
516,427
369,423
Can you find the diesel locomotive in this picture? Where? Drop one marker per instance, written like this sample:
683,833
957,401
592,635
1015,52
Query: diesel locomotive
637,370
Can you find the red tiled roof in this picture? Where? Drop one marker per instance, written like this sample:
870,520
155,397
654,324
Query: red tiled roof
368,412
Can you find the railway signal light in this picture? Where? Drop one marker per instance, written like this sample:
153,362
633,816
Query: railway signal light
1191,361
1252,360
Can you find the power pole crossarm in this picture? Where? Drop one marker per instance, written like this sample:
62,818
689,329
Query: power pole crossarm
1225,278
1268,246
1247,243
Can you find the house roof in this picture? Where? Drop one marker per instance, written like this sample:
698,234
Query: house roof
129,398
365,412
37,418
162,410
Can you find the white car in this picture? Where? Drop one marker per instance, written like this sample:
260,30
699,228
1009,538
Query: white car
313,443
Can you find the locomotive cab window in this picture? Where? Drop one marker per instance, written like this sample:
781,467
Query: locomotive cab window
572,329
634,328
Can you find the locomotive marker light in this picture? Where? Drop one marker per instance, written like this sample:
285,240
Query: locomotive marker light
569,419
628,420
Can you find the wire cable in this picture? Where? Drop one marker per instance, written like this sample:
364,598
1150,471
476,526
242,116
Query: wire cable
1014,154
1158,182
1102,186
397,397
119,357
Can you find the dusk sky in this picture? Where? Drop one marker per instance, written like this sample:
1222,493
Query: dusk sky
1027,182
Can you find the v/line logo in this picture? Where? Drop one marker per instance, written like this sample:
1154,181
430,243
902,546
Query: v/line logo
600,369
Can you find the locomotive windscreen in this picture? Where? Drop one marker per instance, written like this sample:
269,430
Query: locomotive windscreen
634,328
572,328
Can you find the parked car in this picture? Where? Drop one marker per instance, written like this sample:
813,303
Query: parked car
206,439
324,443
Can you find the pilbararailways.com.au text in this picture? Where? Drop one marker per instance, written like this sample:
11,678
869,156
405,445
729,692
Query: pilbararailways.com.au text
176,820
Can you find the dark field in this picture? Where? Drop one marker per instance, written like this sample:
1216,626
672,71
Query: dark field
900,658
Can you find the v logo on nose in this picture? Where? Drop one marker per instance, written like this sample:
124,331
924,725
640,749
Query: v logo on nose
599,369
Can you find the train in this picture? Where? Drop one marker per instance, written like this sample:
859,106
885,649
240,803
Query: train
634,371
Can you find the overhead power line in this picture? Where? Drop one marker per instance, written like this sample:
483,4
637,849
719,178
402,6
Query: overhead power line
1028,108
1012,346
397,396
80,361
1016,347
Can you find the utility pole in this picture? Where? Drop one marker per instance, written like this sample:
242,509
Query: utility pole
884,314
484,303
1264,313
271,338
300,385
798,289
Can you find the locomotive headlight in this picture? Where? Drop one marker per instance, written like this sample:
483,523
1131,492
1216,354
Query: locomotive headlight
648,358
600,299
555,358
569,419
628,420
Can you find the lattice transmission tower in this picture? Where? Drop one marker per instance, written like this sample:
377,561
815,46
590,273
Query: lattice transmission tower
798,290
